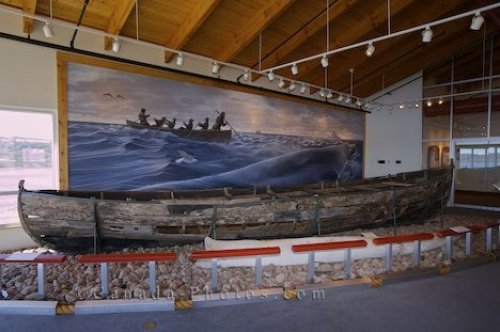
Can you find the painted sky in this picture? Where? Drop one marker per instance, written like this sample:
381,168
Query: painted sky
88,102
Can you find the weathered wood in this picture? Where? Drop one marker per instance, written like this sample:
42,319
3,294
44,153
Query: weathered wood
59,219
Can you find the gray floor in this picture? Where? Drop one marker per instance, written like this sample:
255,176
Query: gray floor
468,300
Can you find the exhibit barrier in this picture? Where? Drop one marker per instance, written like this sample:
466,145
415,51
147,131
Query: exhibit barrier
32,258
214,255
389,241
347,246
105,259
257,254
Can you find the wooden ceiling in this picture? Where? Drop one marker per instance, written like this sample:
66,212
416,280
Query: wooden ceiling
266,33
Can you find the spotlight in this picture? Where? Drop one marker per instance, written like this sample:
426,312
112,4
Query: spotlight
116,45
47,30
340,97
359,102
322,93
440,101
324,61
427,35
370,49
270,76
303,89
281,84
215,68
246,75
401,107
477,22
429,103
292,86
348,100
294,69
329,95
179,60
417,105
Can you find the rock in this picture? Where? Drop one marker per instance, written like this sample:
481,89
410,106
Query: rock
280,278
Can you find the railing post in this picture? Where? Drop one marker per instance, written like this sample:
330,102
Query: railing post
1,283
416,253
104,280
468,243
489,239
214,274
449,247
258,270
41,279
347,260
388,257
310,267
152,278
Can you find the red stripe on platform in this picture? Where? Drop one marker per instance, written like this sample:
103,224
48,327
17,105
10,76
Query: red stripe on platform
43,258
123,258
329,245
403,238
203,254
493,224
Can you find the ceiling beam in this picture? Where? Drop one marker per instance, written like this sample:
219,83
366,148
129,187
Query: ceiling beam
260,21
387,52
420,59
367,25
337,8
119,16
29,7
199,14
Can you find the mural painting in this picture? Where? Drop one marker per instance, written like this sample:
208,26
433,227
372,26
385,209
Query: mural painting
262,140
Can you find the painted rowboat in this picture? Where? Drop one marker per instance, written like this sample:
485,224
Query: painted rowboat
80,221
197,135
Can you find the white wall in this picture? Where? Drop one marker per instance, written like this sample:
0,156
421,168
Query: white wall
28,75
397,134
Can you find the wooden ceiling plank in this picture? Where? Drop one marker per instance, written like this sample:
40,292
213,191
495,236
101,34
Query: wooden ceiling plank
386,52
305,33
118,18
29,7
260,21
364,27
190,26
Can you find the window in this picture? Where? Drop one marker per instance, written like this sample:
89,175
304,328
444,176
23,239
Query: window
27,151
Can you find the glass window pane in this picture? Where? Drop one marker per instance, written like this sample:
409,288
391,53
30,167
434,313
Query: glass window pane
470,116
495,113
26,152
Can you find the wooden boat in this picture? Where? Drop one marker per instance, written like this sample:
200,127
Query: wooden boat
197,135
80,221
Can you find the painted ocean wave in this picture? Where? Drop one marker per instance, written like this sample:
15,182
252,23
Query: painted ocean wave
115,157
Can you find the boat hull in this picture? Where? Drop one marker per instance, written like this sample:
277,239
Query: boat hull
196,135
82,221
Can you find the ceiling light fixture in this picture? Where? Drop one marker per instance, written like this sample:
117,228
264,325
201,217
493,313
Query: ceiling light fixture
370,49
340,97
215,67
440,101
303,89
322,93
179,60
427,35
292,86
329,95
246,75
47,30
281,84
294,69
477,22
348,100
429,103
116,45
359,103
270,76
324,61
